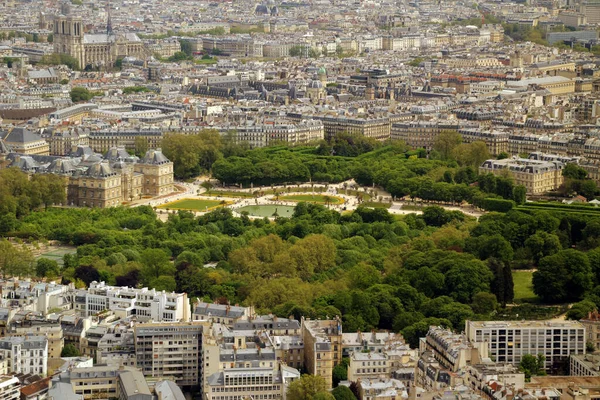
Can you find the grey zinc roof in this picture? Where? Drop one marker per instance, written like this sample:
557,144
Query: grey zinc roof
63,391
219,310
133,384
62,166
4,148
168,390
81,151
21,135
155,157
116,154
27,342
100,170
25,163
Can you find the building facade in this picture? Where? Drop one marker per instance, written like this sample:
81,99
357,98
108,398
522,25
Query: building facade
508,341
170,351
98,50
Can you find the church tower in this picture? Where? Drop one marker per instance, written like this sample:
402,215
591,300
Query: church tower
68,37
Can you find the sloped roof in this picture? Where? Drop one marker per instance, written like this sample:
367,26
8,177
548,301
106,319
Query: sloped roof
100,170
21,135
155,157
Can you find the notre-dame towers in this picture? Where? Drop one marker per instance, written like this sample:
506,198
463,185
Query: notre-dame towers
68,37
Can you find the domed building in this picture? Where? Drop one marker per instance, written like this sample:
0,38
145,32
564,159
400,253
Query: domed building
261,9
322,75
315,91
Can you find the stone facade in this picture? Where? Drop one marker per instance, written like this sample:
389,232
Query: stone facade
94,49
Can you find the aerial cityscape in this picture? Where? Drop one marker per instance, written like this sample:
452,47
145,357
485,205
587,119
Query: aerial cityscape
300,200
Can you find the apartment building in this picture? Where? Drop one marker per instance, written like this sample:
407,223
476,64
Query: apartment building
592,328
253,383
373,342
430,375
368,366
261,135
421,134
382,389
145,304
508,341
102,382
23,141
267,346
10,388
28,354
536,175
104,139
170,351
584,365
322,346
376,128
220,313
66,140
480,375
453,351
52,331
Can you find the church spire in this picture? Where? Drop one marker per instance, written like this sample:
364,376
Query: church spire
108,22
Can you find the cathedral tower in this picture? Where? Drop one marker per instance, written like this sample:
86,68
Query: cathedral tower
68,37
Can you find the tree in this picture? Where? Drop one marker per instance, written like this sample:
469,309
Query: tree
79,94
46,268
484,303
574,171
15,261
340,372
186,46
141,146
502,285
192,154
542,244
70,351
164,282
519,194
296,51
564,276
87,274
155,264
531,365
306,388
343,393
473,154
446,142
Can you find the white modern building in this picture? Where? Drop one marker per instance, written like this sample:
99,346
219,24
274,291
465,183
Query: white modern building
145,304
509,341
9,388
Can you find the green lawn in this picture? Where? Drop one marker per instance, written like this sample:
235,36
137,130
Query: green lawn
523,286
228,193
317,198
374,204
191,204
